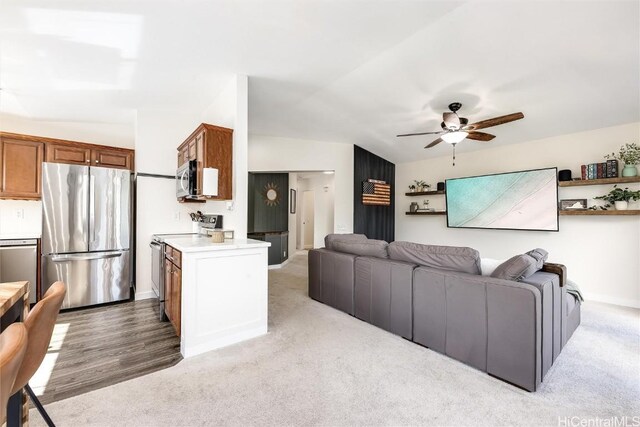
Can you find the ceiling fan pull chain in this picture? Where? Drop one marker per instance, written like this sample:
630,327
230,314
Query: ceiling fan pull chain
454,154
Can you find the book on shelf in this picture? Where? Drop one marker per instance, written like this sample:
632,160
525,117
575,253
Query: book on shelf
612,168
583,171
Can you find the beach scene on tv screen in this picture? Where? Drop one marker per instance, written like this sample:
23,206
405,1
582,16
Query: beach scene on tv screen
518,200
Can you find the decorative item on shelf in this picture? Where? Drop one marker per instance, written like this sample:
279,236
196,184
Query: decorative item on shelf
376,192
564,175
573,204
412,188
629,154
425,204
440,186
619,197
421,186
413,207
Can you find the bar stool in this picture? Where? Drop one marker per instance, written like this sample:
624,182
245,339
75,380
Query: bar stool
39,323
13,346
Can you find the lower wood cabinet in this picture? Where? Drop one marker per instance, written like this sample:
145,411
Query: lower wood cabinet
20,168
173,287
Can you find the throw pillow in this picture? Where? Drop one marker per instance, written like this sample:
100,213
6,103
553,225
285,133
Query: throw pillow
515,268
488,265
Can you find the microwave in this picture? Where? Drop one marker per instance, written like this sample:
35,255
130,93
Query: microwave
186,180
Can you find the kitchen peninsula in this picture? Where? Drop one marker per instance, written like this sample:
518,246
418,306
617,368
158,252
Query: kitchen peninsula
223,295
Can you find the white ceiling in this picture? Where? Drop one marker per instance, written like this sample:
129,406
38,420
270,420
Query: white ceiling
342,71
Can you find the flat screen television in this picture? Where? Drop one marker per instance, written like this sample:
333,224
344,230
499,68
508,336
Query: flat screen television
524,200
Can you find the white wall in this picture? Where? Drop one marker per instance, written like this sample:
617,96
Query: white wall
602,253
273,154
20,219
113,134
158,134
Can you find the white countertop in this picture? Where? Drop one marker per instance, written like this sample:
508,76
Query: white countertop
204,244
19,236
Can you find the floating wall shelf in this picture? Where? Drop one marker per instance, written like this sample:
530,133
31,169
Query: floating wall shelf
424,193
601,212
426,213
603,181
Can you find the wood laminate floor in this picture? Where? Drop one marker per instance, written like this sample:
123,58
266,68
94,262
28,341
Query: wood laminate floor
98,347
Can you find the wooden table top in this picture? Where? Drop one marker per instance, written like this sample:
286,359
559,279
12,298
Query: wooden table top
10,293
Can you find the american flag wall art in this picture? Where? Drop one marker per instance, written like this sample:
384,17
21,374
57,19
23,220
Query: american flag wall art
376,192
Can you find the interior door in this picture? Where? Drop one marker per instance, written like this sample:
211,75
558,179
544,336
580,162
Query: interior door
308,206
65,208
109,209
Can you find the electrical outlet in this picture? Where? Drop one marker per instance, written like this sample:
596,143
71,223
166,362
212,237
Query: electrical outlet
20,213
176,216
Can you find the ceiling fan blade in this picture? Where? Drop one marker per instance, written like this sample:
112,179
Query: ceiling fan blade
480,136
451,120
436,142
421,133
495,121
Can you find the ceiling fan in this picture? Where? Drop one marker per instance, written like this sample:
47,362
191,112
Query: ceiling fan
456,128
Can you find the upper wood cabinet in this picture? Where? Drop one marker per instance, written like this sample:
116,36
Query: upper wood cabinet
57,153
21,168
22,157
211,147
112,158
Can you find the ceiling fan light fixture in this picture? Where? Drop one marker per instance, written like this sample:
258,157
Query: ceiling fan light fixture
454,137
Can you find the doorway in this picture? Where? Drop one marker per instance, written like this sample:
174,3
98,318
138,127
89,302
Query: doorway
308,218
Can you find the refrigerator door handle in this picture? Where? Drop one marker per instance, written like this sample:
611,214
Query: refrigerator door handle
92,208
84,257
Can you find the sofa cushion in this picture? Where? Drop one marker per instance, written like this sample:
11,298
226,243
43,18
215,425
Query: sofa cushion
372,248
329,239
452,258
515,268
540,255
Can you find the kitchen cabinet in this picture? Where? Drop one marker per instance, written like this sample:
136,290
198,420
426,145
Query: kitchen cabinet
77,153
57,153
173,287
112,158
211,147
21,168
22,157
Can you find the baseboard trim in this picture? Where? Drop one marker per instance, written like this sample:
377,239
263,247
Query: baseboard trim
612,300
145,295
278,266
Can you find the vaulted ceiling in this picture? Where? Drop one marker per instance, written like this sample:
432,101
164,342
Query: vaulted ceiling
341,71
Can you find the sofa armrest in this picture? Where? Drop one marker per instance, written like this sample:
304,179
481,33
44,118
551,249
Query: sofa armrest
558,269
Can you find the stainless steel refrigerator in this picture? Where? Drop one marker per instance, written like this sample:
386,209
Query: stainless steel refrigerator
86,232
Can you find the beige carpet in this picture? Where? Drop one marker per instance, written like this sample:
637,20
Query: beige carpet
322,367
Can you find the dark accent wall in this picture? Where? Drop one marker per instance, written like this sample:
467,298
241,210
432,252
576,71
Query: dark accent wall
376,222
262,217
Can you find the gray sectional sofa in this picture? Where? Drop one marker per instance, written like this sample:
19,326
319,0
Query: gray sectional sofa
437,297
